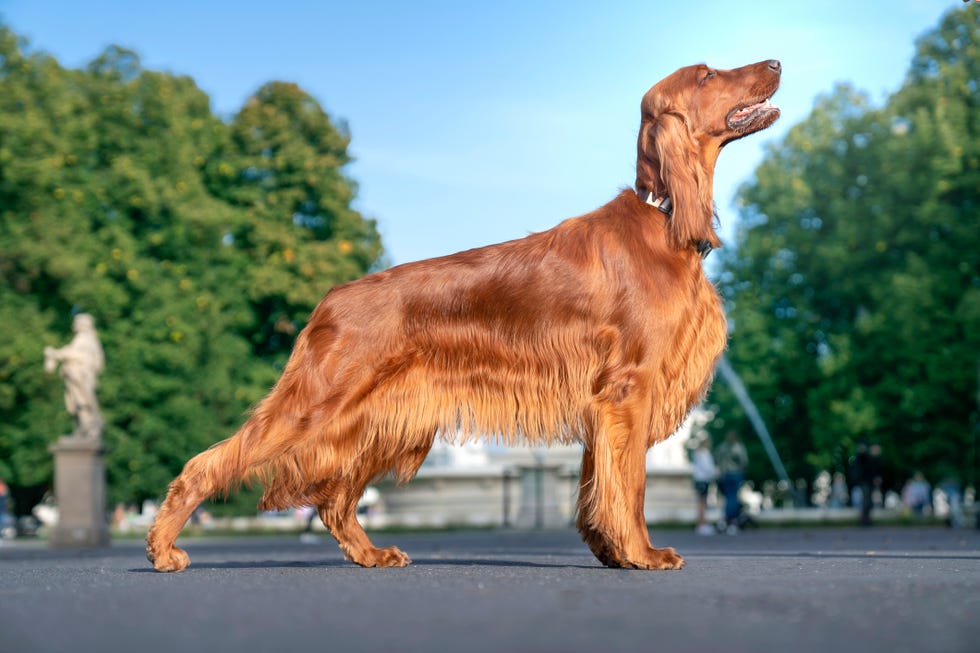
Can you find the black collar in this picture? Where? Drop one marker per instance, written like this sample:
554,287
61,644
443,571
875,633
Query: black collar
663,204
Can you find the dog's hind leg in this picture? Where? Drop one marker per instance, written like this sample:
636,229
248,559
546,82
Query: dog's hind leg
203,476
339,515
217,469
338,507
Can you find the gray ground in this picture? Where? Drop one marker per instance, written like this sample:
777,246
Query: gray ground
829,590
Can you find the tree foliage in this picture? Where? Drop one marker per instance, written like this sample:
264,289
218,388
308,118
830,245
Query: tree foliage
854,287
199,245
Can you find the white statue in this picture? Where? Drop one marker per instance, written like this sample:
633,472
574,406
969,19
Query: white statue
81,361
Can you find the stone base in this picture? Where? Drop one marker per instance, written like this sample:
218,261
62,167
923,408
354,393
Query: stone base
80,492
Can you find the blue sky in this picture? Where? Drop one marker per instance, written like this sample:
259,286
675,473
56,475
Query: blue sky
474,123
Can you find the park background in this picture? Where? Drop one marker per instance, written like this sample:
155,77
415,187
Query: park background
175,172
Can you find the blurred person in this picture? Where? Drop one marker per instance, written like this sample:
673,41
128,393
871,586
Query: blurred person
732,460
703,473
8,526
801,497
769,489
119,519
892,500
867,475
838,491
4,497
950,487
821,489
750,503
917,494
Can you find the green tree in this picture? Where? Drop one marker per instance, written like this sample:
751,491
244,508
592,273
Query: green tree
122,195
283,166
854,286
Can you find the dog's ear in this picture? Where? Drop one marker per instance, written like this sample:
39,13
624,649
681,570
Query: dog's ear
670,163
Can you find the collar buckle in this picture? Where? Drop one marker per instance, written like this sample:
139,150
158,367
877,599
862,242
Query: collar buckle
660,202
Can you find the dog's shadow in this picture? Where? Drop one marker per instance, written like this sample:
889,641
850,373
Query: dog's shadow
343,564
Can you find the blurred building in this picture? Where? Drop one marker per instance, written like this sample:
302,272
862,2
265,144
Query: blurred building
483,484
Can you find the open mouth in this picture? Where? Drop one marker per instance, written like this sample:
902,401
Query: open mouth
757,116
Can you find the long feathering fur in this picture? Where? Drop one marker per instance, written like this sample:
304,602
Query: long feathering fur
687,182
602,330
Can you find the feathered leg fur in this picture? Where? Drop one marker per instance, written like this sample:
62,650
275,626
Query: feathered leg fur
610,515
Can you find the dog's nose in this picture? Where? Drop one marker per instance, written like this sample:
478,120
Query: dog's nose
775,66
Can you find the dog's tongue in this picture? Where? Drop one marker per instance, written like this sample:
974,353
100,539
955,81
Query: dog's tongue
742,113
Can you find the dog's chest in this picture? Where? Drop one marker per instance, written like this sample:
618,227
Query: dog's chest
701,337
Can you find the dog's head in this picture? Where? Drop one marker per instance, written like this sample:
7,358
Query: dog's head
686,119
716,105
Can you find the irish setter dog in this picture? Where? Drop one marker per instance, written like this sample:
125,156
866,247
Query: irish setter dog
603,330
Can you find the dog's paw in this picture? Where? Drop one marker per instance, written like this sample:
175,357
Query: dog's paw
394,557
390,557
650,559
173,560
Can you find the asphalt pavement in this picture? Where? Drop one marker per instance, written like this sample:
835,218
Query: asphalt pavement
831,590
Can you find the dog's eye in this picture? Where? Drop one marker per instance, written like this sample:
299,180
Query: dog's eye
708,75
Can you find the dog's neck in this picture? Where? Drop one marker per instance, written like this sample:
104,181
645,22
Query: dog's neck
663,204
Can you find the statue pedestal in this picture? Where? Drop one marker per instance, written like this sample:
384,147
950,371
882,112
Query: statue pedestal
79,487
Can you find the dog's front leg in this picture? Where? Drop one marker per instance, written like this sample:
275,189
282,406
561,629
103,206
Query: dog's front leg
598,543
613,486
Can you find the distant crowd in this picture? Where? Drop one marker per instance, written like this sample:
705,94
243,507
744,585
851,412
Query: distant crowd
723,468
